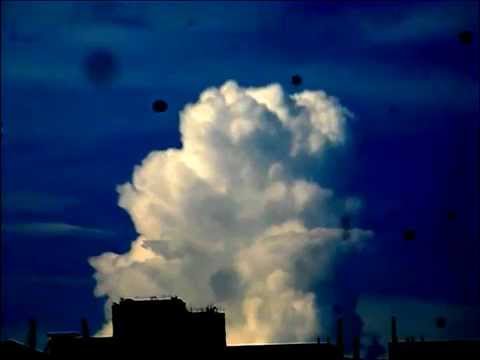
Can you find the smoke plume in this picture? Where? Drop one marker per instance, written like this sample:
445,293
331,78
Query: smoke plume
224,219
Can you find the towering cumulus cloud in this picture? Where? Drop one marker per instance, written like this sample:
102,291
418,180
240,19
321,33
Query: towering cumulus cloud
233,217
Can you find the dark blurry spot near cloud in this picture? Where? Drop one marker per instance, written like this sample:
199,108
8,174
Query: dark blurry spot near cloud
159,105
465,37
225,284
451,215
296,80
409,234
101,67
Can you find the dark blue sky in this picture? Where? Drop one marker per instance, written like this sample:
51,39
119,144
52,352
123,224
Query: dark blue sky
78,79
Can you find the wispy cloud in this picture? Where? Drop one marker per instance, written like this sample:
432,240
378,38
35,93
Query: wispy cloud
418,23
36,202
52,280
53,229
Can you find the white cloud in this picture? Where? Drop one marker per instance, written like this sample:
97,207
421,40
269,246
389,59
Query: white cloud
221,219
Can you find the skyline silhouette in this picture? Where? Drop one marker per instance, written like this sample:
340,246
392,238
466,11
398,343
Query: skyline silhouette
304,166
165,325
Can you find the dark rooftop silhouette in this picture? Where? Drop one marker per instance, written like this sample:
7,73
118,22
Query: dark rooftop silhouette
166,327
410,349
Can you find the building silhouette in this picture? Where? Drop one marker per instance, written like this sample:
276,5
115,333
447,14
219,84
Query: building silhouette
412,349
169,321
165,327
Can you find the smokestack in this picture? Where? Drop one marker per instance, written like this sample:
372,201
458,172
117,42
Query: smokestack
85,328
31,340
394,330
340,344
356,348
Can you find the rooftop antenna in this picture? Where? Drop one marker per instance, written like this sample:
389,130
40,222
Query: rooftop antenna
31,340
356,348
394,330
340,344
85,328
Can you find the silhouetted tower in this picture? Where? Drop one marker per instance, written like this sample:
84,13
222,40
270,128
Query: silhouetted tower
31,340
85,328
340,343
356,348
394,330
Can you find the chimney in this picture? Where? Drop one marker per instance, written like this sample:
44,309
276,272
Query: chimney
356,348
85,330
340,344
394,330
31,340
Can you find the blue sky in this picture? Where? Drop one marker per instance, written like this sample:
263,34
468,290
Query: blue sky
411,154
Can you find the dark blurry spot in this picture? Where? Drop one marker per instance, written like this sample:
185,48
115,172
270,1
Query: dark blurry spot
451,215
296,80
103,10
440,322
225,284
409,234
101,67
393,109
22,37
190,23
337,309
159,105
465,37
